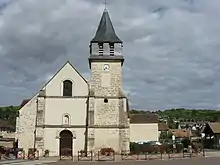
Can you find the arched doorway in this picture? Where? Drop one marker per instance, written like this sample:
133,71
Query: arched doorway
66,143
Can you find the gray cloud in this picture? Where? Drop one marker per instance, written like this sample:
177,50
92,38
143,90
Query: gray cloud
171,48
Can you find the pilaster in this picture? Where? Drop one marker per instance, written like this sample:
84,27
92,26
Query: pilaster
39,139
91,132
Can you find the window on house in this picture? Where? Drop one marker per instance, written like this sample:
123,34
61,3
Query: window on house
67,88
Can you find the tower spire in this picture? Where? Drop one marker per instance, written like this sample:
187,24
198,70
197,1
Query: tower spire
105,31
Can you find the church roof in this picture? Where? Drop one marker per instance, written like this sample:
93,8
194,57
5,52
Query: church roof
105,31
24,102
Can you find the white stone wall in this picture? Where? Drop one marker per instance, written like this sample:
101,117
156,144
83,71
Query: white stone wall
144,132
110,117
56,108
26,125
54,87
106,113
107,138
52,141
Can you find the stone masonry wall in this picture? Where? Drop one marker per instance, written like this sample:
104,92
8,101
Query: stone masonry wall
125,140
40,122
26,125
91,138
115,72
107,138
106,113
110,119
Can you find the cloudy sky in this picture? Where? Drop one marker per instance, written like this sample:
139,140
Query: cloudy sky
171,48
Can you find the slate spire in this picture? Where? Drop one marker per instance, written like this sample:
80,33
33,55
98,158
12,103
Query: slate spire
105,32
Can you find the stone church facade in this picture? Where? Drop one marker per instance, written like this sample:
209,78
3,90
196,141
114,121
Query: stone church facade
69,112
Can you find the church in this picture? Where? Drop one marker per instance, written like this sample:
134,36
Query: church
70,112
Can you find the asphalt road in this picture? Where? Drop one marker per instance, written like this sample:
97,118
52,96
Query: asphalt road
193,161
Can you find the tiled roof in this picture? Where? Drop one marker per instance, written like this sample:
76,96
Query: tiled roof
24,102
215,127
143,118
163,127
105,31
181,133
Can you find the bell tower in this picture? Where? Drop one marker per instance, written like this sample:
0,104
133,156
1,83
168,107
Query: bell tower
106,54
108,118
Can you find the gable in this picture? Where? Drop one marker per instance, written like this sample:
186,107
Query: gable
67,71
212,128
55,86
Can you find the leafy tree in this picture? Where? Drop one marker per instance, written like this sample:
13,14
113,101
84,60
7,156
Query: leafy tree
165,135
9,114
186,114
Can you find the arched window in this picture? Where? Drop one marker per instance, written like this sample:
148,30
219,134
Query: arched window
67,88
66,119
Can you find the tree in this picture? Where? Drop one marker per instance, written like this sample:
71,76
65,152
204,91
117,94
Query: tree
171,123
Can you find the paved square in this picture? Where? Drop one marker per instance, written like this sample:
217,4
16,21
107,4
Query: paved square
194,161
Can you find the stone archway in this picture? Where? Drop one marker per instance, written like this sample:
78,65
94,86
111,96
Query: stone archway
66,143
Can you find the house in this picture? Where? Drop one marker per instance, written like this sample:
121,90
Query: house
181,133
162,127
212,135
144,127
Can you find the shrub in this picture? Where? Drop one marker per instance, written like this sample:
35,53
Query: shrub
32,150
168,148
83,153
197,147
186,143
179,147
106,151
135,148
46,153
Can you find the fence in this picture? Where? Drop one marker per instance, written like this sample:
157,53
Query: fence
33,154
106,155
127,155
133,156
174,154
66,153
196,153
85,156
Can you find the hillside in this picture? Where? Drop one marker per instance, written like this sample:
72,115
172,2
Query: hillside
186,114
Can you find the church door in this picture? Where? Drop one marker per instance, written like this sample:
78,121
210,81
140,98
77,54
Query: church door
66,143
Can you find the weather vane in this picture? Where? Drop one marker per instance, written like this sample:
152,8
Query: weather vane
105,2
